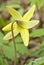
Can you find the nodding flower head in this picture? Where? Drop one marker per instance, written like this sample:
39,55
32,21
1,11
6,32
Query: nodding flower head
21,25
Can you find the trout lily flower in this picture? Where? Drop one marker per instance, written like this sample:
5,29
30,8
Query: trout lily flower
21,24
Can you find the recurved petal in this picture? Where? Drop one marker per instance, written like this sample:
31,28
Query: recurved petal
16,15
29,14
25,36
8,27
30,24
8,36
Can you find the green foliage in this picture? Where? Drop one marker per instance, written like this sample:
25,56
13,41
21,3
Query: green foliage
9,50
1,39
12,4
8,47
21,49
42,64
38,61
37,33
2,22
42,44
3,61
38,2
2,6
18,39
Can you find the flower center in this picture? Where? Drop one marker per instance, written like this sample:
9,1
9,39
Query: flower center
18,22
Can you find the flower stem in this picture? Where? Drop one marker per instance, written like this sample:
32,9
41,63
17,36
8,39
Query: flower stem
15,53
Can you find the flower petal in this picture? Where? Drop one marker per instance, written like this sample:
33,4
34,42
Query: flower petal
9,35
8,27
29,14
16,15
25,36
30,24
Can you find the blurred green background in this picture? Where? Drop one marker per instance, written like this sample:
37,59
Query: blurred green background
34,53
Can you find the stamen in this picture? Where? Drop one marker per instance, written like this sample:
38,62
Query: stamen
18,21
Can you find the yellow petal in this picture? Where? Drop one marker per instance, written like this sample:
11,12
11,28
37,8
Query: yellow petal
30,24
29,14
9,35
25,36
16,15
8,27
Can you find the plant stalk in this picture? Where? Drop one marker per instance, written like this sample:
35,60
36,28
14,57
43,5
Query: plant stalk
15,53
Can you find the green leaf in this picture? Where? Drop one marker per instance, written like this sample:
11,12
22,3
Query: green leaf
42,44
18,39
37,61
9,50
22,49
15,5
3,61
37,33
41,51
2,7
38,2
42,64
2,22
30,63
1,38
21,10
11,3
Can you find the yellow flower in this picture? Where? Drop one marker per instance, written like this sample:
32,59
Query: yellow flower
21,24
